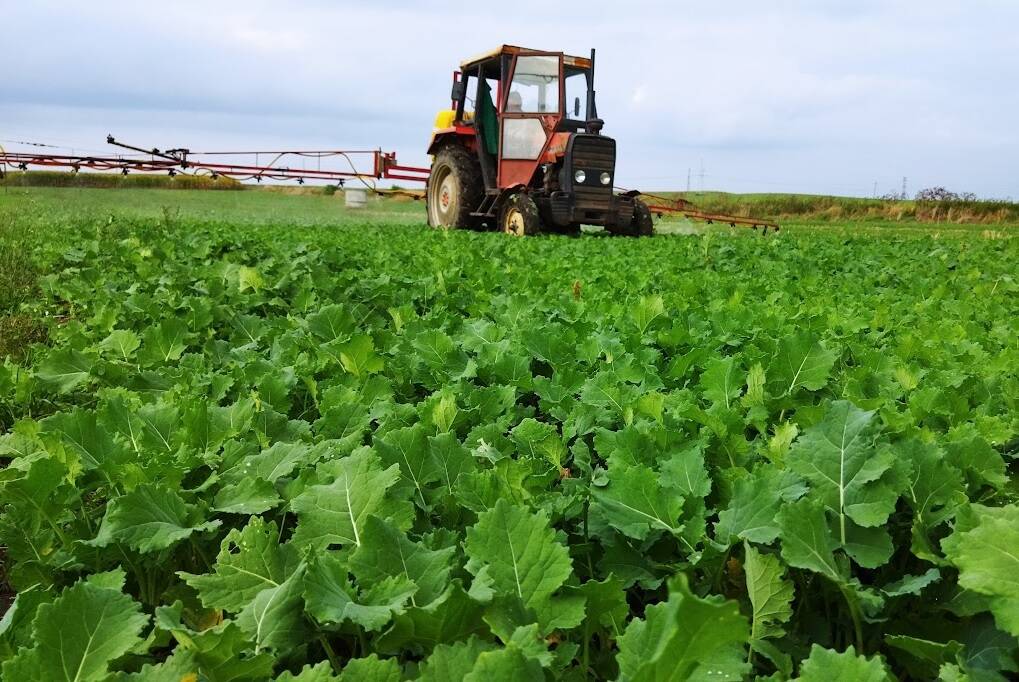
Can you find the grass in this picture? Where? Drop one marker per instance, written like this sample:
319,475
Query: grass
116,181
818,208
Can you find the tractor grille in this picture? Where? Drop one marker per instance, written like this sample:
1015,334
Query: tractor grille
594,154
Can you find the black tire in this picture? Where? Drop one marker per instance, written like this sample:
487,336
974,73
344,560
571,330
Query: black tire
455,188
643,224
519,216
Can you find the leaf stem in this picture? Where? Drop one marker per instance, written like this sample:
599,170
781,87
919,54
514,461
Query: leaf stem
330,653
854,613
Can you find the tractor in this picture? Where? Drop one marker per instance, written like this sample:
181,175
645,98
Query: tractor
521,150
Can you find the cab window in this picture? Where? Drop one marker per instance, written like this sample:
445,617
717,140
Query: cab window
576,96
535,86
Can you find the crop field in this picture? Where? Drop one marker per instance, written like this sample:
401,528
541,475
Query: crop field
253,436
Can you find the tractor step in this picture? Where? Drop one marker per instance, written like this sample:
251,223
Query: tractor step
485,209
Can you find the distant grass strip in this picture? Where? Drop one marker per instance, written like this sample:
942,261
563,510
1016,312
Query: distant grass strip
116,181
830,208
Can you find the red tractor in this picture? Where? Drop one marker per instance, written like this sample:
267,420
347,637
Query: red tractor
521,150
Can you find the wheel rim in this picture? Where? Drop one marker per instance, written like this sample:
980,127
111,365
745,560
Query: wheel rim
514,224
443,200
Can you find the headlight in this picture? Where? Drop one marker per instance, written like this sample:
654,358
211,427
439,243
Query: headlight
580,176
606,178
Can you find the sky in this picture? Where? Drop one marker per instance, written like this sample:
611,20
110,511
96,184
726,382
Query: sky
784,96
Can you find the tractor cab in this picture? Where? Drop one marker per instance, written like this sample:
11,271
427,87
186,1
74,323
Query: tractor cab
521,149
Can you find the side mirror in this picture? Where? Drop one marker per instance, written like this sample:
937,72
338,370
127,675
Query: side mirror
576,107
459,88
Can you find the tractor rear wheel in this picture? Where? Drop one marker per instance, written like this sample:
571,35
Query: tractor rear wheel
643,224
519,216
455,188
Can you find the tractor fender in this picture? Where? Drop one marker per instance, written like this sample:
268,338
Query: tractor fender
463,135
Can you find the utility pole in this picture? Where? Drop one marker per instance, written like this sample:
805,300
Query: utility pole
875,189
701,175
688,179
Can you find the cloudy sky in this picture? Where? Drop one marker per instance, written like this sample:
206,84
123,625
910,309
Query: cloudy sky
797,96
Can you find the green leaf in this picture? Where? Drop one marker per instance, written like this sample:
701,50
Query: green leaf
274,618
453,661
807,541
89,439
985,549
935,492
320,672
520,553
825,665
771,594
249,278
685,638
636,503
801,362
408,449
163,344
540,441
78,635
911,584
385,551
606,604
853,477
250,496
371,669
756,499
504,665
331,598
452,617
149,518
722,381
250,560
122,343
646,311
221,653
358,356
336,512
65,369
331,323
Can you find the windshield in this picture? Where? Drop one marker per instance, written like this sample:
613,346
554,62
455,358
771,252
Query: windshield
535,86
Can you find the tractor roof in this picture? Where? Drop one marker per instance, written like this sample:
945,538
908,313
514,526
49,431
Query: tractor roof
581,62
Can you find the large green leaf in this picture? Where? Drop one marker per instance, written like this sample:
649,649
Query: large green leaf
332,599
685,638
65,369
335,513
149,518
722,381
636,503
275,618
801,362
78,635
771,594
519,553
825,665
985,548
250,560
807,541
755,502
385,552
855,478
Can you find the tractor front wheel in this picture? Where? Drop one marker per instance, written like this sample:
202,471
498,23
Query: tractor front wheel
519,216
455,188
643,224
